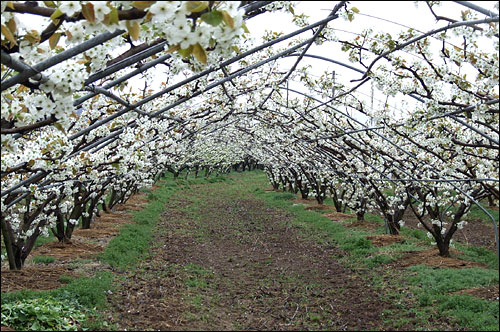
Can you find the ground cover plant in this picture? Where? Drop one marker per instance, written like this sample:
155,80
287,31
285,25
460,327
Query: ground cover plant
385,116
270,262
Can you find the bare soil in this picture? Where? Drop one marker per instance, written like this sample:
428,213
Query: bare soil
476,232
85,244
221,261
338,216
381,240
67,251
431,258
489,293
34,277
364,224
260,274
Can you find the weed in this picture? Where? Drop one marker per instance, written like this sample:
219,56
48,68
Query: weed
476,314
379,260
479,254
43,259
284,196
450,280
39,314
476,213
81,294
65,279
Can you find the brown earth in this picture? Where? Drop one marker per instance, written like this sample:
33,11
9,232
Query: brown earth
476,232
381,240
234,263
489,293
67,251
259,273
320,207
431,258
34,277
365,224
83,245
338,216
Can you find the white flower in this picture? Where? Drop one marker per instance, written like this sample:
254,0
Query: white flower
189,39
100,9
401,223
180,29
163,10
70,7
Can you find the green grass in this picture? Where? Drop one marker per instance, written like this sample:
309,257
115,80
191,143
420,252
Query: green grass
196,276
450,280
66,279
479,254
124,250
476,213
430,288
87,295
43,259
43,314
134,240
474,313
40,240
284,196
433,288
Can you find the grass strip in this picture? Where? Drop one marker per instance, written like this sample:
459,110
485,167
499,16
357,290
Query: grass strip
428,299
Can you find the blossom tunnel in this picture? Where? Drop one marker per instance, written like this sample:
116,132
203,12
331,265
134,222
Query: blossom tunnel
110,95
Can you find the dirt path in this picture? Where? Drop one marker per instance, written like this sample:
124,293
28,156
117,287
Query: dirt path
224,261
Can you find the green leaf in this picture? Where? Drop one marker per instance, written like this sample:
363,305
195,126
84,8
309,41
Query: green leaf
213,18
50,4
56,14
60,127
186,51
196,6
228,19
141,5
133,29
88,12
113,16
354,9
244,26
54,39
199,53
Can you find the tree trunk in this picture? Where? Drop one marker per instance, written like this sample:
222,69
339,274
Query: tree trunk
392,224
360,215
9,245
444,248
304,192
